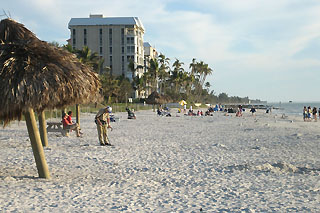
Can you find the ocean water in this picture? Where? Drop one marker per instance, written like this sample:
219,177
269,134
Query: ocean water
293,108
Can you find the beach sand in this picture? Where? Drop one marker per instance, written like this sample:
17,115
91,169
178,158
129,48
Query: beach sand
168,164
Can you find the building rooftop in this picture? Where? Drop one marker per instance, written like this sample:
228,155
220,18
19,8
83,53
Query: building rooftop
99,20
146,44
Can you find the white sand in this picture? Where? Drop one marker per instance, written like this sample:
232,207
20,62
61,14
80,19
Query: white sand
168,164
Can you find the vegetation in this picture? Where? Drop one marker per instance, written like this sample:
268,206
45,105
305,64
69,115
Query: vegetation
172,81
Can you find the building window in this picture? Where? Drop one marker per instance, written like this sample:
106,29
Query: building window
110,50
122,63
122,36
73,38
122,50
110,60
130,58
85,37
100,50
130,49
130,40
100,36
110,37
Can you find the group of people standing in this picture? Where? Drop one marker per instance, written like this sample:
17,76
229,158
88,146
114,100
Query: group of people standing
310,114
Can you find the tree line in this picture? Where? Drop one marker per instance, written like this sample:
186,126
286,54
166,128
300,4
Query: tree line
169,80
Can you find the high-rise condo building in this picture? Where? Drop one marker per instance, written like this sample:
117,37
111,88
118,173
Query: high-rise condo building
116,39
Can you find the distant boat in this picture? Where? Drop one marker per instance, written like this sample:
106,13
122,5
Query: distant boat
290,101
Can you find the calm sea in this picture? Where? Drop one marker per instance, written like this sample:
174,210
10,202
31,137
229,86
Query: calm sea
292,108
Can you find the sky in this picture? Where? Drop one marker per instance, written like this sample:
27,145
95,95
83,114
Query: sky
261,49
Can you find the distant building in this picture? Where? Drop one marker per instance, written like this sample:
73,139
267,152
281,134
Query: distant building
116,39
149,53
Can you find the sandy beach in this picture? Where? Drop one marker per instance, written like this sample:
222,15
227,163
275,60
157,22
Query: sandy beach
168,164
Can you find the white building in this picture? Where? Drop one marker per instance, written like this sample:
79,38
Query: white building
149,53
116,39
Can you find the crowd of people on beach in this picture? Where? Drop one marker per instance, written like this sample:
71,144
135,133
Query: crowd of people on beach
310,113
103,117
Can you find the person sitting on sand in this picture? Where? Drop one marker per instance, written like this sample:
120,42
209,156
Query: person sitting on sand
70,117
190,113
239,111
253,110
160,112
67,125
131,114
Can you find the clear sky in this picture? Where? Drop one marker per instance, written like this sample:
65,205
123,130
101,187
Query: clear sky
264,49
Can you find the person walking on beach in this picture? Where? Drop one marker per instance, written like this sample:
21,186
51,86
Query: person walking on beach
305,113
314,113
102,120
309,113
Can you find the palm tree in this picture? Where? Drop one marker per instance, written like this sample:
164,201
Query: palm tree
193,66
87,57
207,85
154,72
110,86
69,48
176,76
131,68
137,80
163,74
206,71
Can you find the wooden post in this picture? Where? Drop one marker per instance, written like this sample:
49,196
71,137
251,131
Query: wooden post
63,111
78,114
43,128
37,148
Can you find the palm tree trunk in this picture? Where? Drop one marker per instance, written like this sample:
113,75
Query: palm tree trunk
37,148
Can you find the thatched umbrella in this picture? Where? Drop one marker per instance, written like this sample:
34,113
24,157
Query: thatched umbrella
36,76
156,99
